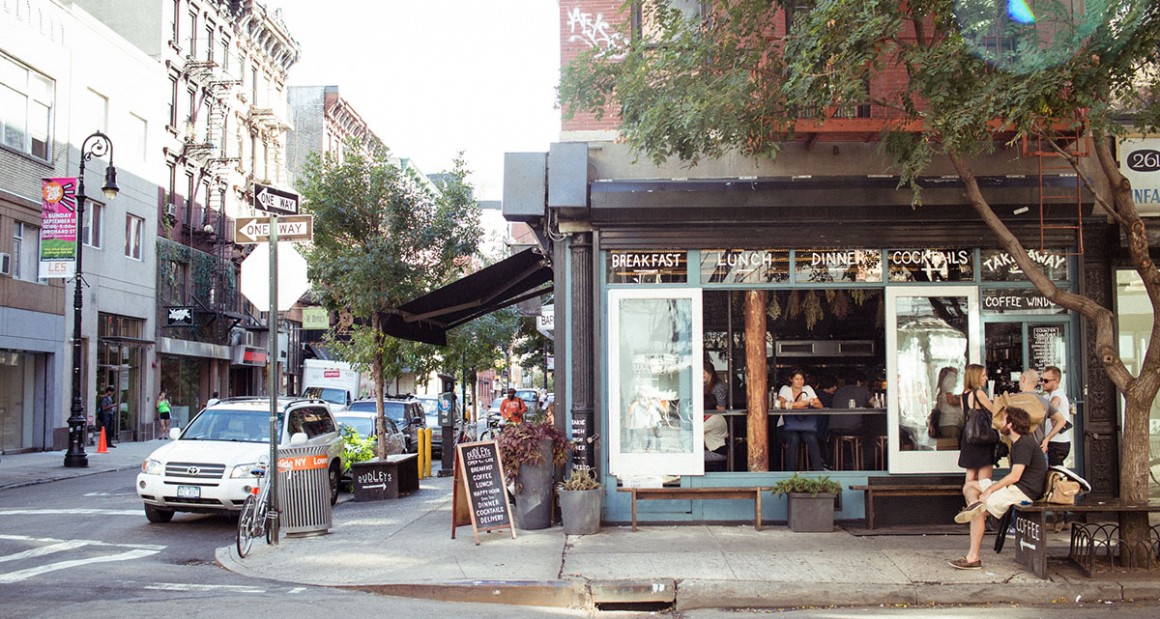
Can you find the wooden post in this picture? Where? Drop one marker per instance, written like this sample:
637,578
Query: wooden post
757,378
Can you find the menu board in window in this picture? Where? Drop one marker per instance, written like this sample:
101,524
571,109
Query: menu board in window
838,265
648,267
1046,347
930,265
1000,266
744,266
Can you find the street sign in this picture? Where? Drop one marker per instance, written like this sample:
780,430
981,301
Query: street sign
290,228
292,282
275,200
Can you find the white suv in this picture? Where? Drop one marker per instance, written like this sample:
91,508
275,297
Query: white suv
207,467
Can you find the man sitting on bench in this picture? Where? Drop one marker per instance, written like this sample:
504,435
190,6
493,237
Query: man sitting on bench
1026,479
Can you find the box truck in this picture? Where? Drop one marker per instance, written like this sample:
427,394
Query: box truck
336,382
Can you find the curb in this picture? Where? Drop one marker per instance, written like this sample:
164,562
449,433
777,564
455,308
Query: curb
549,593
46,480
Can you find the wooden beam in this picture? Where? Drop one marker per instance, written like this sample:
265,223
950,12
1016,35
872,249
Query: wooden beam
757,380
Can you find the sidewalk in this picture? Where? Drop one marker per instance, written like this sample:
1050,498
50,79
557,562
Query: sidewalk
404,547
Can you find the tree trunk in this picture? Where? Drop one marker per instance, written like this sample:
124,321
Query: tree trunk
380,413
756,378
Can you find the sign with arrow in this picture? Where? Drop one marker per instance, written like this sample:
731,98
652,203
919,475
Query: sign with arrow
275,200
257,229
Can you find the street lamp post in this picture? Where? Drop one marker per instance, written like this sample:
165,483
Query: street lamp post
97,144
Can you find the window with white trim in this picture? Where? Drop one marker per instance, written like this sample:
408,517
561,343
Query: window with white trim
134,228
26,252
93,232
26,107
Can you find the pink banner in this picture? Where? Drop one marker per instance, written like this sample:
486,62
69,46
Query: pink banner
59,227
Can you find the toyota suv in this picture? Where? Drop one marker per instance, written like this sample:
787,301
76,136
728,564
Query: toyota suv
208,466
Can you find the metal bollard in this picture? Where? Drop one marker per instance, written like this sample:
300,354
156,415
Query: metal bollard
427,457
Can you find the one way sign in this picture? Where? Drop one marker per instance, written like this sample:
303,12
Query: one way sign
275,200
290,228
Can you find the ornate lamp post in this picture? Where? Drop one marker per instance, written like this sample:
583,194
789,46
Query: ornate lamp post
97,144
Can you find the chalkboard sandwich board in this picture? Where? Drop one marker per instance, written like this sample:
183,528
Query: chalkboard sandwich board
480,497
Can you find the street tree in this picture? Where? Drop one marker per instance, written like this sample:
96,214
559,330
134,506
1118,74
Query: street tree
383,235
968,74
475,346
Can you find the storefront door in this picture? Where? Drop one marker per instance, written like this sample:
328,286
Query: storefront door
927,329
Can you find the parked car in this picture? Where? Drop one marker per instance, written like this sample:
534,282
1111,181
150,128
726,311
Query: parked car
208,466
364,424
531,397
405,410
431,411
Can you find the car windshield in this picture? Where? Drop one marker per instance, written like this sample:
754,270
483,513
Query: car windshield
391,409
327,394
226,424
364,425
430,406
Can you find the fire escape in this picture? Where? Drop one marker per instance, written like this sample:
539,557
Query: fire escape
1058,157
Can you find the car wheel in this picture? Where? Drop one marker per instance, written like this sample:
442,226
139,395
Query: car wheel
335,477
158,515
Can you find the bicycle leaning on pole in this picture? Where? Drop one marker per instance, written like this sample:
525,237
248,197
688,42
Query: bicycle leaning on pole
258,517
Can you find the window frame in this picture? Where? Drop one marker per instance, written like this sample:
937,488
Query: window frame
26,249
94,217
134,233
28,146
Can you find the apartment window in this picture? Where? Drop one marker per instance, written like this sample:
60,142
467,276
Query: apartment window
647,23
190,198
223,139
172,187
26,103
173,90
192,34
225,55
26,252
209,38
93,230
134,228
254,85
137,132
96,108
796,11
176,274
175,25
190,121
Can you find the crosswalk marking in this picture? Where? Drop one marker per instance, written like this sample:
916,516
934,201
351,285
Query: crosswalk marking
179,586
18,576
88,542
73,511
44,550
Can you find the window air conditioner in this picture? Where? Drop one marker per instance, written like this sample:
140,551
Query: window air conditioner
6,264
170,209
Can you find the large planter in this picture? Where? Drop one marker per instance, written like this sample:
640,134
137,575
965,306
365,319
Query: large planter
534,492
580,510
810,513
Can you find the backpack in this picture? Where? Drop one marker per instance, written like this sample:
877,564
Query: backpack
1060,490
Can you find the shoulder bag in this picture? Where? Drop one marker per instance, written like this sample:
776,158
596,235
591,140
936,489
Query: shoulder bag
1060,489
978,430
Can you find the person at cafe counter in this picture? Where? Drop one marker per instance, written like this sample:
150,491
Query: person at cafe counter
716,428
798,428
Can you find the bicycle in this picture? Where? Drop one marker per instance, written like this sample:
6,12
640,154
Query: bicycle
258,517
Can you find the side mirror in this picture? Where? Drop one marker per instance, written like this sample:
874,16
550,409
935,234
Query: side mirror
174,433
298,438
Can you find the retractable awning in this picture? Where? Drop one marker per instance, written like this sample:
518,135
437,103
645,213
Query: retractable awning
509,281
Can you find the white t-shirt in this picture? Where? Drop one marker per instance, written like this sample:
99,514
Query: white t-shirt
1064,407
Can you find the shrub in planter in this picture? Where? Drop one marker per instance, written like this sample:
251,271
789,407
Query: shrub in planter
530,452
581,499
811,502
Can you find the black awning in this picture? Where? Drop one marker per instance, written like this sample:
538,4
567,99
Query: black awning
509,281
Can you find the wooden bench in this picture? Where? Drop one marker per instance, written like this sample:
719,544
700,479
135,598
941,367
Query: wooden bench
648,494
1030,522
901,489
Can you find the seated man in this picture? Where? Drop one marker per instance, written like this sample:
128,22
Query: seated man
1023,484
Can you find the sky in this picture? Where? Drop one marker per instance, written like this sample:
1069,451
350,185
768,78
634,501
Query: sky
436,77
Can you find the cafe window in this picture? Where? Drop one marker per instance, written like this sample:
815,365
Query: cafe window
742,266
837,265
26,107
999,266
654,381
647,267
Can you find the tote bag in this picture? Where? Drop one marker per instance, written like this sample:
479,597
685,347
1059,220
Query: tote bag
978,430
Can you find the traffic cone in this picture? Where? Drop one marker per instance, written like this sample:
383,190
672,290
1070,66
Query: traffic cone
102,447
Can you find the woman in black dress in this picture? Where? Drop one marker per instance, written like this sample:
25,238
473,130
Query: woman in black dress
978,460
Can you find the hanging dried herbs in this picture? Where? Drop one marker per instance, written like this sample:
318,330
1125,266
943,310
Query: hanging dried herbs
774,309
859,296
840,305
813,309
830,294
794,307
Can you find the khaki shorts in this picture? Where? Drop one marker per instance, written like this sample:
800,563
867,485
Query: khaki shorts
1002,499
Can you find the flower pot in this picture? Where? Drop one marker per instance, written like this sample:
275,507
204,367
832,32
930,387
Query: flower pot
811,513
580,511
534,497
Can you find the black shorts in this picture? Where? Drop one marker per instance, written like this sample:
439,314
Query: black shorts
1057,453
163,416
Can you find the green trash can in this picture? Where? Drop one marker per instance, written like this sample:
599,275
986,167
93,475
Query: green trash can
304,491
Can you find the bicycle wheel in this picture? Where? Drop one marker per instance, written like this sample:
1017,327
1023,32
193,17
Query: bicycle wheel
246,526
487,435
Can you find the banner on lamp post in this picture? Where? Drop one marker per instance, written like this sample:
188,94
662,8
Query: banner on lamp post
59,230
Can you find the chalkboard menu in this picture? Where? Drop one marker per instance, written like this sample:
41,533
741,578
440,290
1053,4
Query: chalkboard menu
1046,346
480,497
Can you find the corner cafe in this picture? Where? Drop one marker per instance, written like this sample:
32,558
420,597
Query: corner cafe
895,316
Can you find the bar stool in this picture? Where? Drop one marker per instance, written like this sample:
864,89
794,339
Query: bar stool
842,442
880,453
803,456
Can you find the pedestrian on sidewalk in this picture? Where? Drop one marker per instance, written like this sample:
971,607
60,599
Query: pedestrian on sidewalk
105,412
512,408
1026,480
163,412
978,460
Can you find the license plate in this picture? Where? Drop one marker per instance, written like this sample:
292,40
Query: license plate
189,492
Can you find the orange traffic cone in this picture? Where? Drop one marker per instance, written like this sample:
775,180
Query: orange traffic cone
102,447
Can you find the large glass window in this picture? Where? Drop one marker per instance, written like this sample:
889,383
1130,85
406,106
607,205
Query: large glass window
26,252
26,104
93,232
929,329
1134,318
654,376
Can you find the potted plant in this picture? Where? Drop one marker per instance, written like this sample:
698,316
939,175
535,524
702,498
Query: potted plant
811,502
581,498
530,452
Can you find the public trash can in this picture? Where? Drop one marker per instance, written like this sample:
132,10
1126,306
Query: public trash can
304,491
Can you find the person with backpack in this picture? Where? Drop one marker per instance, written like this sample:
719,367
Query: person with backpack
513,409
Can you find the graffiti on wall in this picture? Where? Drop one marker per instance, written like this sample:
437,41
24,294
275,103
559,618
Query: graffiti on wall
594,31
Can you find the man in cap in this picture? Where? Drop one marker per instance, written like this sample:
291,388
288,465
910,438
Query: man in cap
513,409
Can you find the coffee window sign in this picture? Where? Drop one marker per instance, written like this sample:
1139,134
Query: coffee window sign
648,267
838,265
1000,266
743,266
930,265
1017,301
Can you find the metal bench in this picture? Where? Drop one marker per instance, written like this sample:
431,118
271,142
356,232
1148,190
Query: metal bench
743,493
1087,539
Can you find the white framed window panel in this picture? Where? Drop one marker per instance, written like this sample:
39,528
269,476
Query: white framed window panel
927,328
655,404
